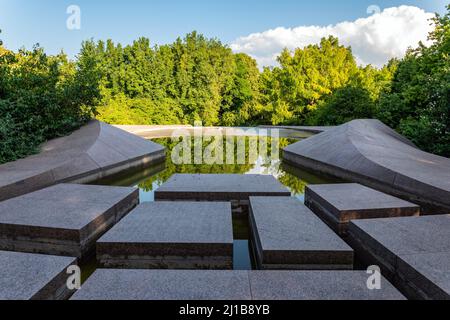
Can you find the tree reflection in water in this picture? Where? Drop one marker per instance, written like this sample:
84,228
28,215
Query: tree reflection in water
293,178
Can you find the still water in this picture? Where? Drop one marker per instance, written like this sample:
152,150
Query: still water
295,180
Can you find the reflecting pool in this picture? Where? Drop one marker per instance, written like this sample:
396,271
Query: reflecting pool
264,162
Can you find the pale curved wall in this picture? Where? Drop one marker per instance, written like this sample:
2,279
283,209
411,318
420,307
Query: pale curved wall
369,152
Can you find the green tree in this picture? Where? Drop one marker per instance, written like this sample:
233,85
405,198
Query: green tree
194,78
417,103
305,77
242,104
345,104
41,97
203,70
375,80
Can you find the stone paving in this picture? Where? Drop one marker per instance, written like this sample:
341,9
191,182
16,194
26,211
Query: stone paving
174,235
95,151
42,216
287,235
337,204
27,276
414,252
65,219
116,284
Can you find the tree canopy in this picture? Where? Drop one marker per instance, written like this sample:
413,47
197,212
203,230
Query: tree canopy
196,78
42,97
417,103
193,79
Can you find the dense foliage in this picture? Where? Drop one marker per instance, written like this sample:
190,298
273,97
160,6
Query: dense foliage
196,78
42,97
193,79
201,79
418,102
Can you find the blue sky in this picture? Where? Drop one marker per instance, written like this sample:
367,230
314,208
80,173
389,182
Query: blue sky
26,22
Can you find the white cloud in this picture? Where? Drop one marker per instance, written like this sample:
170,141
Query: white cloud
374,40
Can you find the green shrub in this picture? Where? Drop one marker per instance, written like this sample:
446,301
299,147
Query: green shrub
418,102
41,97
344,105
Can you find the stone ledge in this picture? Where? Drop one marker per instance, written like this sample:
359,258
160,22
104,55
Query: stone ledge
65,219
166,131
370,153
95,151
116,284
171,235
413,252
306,129
233,188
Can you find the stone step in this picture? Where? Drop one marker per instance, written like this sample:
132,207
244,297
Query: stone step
120,284
236,188
65,219
337,204
414,252
175,235
28,276
287,235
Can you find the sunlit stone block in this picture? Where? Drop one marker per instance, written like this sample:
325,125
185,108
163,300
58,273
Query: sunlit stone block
287,235
236,188
414,252
65,219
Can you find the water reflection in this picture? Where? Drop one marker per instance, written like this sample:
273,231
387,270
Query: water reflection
150,179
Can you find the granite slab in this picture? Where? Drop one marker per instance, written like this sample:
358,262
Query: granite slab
178,235
287,235
337,204
414,252
231,285
64,219
370,153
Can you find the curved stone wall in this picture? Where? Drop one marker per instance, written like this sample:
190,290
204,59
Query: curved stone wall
306,129
163,131
369,152
94,151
